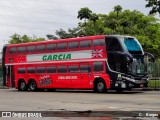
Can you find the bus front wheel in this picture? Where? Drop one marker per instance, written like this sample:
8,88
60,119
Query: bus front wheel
32,85
22,86
100,86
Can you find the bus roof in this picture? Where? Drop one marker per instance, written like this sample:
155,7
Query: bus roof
60,40
71,39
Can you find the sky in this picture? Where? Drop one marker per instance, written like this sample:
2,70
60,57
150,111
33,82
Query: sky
41,17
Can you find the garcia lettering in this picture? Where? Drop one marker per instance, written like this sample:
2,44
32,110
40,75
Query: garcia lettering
56,57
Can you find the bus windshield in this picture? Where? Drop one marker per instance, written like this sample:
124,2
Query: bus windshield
132,45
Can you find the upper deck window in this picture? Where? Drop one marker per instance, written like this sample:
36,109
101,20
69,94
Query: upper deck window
31,48
61,46
12,50
40,47
112,44
99,42
51,47
72,45
21,49
85,44
132,44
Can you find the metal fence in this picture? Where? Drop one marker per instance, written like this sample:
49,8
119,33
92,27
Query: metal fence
154,76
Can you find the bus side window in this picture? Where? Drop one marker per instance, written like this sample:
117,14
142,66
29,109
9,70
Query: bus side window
61,46
62,69
31,48
112,44
31,70
72,45
21,70
85,44
51,69
41,69
73,69
98,66
12,50
51,47
85,68
40,47
21,49
99,42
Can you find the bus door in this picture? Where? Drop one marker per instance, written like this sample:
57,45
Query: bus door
85,75
10,76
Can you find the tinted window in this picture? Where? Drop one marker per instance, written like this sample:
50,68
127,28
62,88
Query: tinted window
98,66
51,69
40,47
72,45
21,70
84,44
61,46
85,68
113,44
99,42
62,69
31,48
21,49
41,69
51,47
12,50
31,70
73,69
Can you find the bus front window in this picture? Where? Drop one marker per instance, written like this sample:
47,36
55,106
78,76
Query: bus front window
132,46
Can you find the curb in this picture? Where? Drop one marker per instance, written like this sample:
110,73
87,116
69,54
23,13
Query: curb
3,87
151,89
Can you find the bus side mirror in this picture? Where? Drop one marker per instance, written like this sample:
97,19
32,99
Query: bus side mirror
150,56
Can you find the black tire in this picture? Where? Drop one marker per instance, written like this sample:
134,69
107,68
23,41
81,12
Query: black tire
100,86
32,85
22,86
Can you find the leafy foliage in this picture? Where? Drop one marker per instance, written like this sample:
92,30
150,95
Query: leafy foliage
155,5
84,13
145,28
16,39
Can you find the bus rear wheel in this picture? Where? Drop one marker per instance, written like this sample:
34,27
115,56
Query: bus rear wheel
22,86
100,86
32,85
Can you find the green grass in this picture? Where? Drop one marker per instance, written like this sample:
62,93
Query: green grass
154,83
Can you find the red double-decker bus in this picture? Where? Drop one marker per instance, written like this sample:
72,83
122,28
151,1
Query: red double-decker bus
93,62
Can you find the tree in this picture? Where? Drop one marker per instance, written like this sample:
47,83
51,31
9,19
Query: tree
117,9
155,5
145,28
16,39
94,17
84,13
50,36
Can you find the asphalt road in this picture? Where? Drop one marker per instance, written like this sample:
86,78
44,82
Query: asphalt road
65,100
